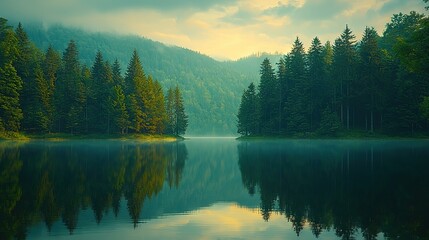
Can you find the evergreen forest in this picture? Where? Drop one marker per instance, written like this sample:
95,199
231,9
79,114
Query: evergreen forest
46,92
210,88
378,85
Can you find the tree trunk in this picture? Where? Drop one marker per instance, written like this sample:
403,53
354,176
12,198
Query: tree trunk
366,122
372,121
348,117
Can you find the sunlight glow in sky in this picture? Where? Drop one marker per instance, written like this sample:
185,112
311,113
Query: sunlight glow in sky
223,29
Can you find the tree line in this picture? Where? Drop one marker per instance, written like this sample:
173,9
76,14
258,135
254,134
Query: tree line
379,84
47,92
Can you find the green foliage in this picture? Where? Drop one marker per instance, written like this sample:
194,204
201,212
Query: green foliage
8,43
247,116
159,117
169,109
269,95
70,97
10,111
374,85
99,96
134,86
318,80
344,73
120,114
414,51
424,107
176,119
329,123
297,105
51,65
180,117
11,84
60,95
208,86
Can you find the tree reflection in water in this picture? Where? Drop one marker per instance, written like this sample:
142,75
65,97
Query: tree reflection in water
375,187
54,181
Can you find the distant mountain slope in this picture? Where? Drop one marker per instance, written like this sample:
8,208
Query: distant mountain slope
250,65
209,87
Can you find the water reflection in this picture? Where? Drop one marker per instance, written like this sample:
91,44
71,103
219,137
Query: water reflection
349,187
48,182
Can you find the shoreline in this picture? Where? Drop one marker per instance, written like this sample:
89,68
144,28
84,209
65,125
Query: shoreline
343,137
66,137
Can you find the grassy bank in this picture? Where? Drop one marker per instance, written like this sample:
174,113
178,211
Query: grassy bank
13,136
63,137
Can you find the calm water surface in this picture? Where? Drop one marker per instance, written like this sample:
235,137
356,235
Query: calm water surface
214,189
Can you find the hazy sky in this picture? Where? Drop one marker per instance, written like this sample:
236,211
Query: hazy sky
223,29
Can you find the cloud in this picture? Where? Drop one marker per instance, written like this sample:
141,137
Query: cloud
397,5
225,29
241,17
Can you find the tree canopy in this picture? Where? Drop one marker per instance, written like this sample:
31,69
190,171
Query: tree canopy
44,92
376,85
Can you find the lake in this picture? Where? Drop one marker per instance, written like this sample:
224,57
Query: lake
218,188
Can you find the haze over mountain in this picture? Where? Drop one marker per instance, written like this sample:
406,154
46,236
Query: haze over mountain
211,89
223,29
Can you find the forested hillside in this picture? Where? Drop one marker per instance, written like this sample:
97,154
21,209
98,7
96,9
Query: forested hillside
211,89
42,92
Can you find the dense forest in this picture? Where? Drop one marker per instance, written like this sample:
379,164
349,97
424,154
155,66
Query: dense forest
209,87
43,92
377,85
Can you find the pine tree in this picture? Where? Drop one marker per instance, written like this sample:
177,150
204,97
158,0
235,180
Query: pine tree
120,115
328,55
100,95
119,110
181,119
11,84
317,80
298,101
160,115
8,44
370,75
344,69
269,99
134,85
36,116
51,65
248,112
150,108
283,91
169,108
70,93
117,77
24,65
10,111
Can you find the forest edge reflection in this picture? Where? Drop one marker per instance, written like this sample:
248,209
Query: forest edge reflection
347,188
45,181
374,186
